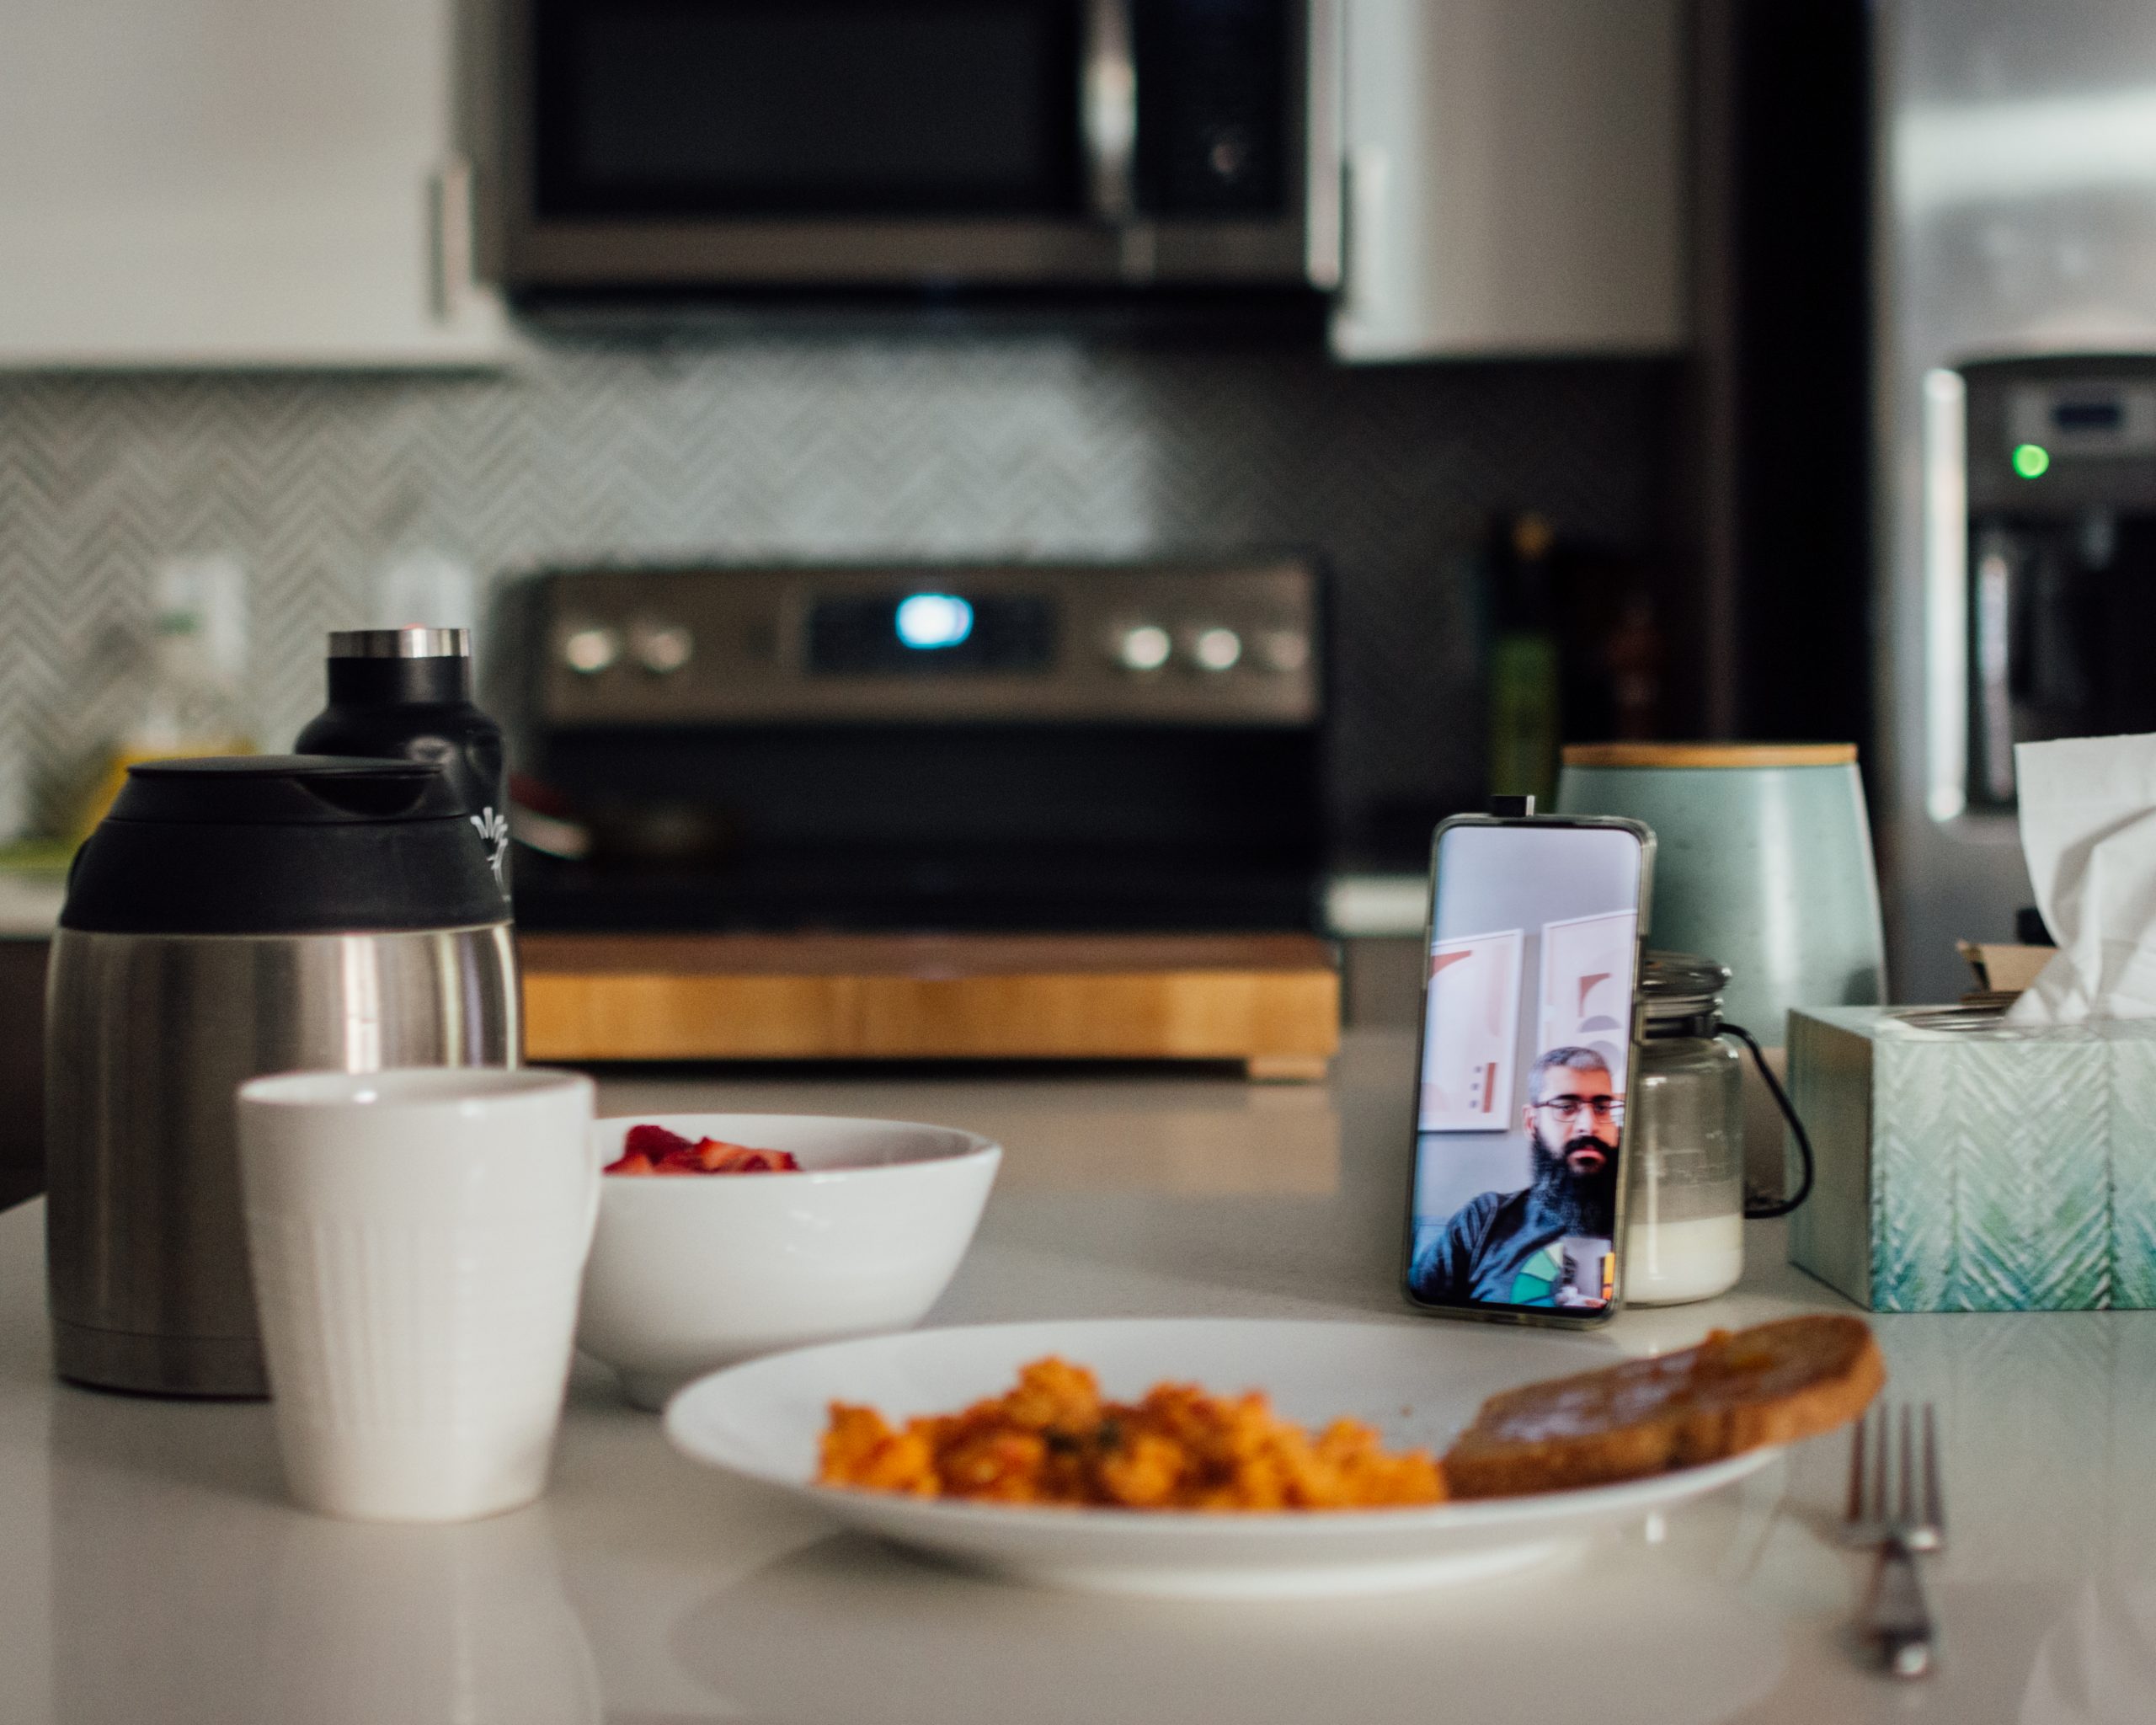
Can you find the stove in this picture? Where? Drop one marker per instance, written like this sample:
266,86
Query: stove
1004,747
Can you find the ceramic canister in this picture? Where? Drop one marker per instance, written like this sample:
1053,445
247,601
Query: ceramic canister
1763,858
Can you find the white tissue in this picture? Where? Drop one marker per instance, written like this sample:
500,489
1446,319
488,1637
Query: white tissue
2088,832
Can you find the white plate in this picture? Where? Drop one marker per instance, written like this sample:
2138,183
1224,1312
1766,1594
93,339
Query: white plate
1418,1383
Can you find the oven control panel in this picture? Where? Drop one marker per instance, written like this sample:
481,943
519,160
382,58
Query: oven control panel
1195,644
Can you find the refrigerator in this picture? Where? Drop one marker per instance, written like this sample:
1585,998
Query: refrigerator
2013,423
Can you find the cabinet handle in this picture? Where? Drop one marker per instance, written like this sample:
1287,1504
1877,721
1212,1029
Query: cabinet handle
449,239
1109,110
1325,162
1366,176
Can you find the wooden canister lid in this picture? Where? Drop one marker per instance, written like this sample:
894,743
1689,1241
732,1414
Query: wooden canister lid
1709,753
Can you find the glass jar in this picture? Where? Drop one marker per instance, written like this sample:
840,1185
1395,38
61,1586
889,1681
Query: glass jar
1685,1148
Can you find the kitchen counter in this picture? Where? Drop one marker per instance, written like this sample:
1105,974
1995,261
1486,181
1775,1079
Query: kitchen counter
151,1570
1375,919
1355,904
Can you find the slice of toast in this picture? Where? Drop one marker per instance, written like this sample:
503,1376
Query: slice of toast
1771,1384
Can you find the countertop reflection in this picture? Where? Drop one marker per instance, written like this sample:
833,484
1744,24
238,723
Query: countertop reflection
151,1569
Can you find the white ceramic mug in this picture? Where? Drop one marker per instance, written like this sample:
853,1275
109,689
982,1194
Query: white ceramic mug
418,1238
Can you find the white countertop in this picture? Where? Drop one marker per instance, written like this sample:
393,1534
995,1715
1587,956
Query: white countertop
151,1571
1356,905
31,906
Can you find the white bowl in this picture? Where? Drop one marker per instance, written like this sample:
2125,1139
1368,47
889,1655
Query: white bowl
691,1272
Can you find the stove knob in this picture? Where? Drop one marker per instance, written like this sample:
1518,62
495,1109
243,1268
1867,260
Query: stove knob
589,650
1284,649
1144,647
663,649
1216,650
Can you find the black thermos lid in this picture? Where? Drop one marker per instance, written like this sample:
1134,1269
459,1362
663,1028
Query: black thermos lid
282,844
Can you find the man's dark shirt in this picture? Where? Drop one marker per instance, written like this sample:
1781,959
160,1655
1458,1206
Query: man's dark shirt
1482,1248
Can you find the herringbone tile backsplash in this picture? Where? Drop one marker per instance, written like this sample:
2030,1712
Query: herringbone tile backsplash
797,447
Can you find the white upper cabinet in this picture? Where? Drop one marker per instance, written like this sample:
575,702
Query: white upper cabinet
234,182
1515,178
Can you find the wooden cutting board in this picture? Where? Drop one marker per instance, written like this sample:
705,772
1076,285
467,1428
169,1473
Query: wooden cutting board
1271,1001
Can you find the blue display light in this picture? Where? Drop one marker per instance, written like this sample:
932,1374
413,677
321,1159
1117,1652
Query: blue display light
928,620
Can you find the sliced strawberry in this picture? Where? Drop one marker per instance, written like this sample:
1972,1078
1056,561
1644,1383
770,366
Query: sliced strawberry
652,1150
685,1158
654,1141
715,1155
741,1160
708,1154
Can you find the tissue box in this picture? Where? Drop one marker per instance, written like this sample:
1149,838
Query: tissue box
1986,1169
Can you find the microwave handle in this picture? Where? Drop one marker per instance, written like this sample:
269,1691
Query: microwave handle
1108,110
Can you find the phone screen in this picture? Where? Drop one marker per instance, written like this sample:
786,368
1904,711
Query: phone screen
1526,1049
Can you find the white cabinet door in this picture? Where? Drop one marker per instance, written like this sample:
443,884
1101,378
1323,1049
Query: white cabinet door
233,182
1515,178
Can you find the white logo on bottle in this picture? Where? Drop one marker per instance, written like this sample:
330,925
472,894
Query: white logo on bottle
493,834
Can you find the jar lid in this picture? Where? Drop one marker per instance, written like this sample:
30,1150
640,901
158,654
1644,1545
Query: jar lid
1708,754
1679,986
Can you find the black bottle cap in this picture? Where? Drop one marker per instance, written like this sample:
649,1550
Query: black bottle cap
282,844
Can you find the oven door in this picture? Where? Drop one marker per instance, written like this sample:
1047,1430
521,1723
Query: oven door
726,144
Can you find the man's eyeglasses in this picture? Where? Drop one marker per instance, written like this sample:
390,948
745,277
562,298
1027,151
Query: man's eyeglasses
1570,1107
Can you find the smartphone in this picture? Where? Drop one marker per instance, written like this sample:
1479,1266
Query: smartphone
1529,1032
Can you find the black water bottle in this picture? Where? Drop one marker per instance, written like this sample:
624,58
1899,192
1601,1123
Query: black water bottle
409,693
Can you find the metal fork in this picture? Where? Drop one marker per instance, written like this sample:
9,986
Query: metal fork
1895,1504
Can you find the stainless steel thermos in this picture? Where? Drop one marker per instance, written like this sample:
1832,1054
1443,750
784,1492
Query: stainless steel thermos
232,917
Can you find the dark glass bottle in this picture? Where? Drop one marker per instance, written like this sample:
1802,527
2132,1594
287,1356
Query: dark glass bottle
1523,662
409,693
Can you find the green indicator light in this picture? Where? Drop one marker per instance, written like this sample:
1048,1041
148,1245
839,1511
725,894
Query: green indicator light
2031,461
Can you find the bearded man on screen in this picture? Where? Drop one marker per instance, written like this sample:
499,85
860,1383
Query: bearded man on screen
1509,1248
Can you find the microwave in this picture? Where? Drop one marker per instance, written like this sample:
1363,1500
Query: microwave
675,148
